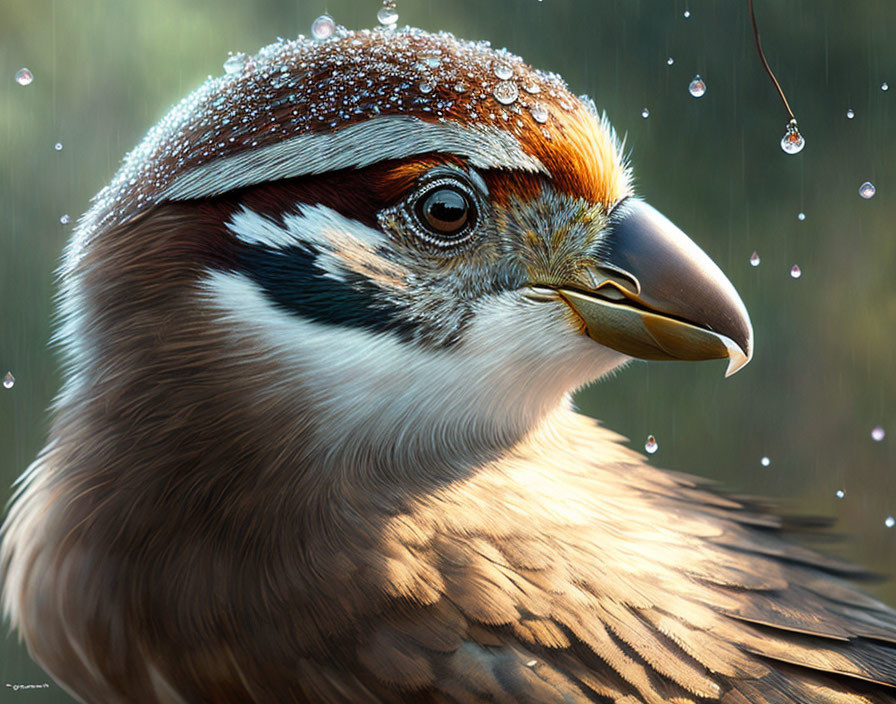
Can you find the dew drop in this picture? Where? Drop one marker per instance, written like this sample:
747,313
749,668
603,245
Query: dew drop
24,77
884,86
800,216
235,63
754,259
867,190
795,271
765,461
425,87
792,142
506,92
697,87
878,433
840,493
539,113
651,445
58,146
503,72
645,113
323,27
850,114
387,16
8,380
670,61
889,521
65,219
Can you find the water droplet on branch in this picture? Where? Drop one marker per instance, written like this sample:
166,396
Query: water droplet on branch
697,87
24,77
792,142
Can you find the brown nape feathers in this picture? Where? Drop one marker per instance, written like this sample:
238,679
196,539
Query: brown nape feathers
315,442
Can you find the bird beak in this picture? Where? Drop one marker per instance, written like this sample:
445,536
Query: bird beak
657,295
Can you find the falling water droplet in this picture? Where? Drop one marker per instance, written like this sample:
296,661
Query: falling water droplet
792,142
800,216
235,63
840,493
651,445
850,114
24,77
504,72
878,433
765,461
65,219
387,14
645,113
867,190
58,146
754,259
697,87
795,271
323,27
884,86
889,521
687,14
670,61
539,113
506,92
8,380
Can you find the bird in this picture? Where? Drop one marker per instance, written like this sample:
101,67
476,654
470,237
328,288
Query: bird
316,443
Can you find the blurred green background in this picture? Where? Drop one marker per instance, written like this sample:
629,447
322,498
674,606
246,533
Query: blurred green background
823,375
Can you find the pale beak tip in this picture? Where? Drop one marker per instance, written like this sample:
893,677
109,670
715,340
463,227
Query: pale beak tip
737,357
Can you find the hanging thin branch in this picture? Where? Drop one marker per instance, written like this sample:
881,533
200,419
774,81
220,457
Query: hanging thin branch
768,69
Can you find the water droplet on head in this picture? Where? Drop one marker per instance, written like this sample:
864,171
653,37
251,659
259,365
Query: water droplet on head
800,216
323,27
867,190
8,380
878,433
431,59
889,521
504,72
532,88
506,92
754,259
539,113
24,77
850,114
697,87
765,461
58,146
645,113
65,219
425,87
651,445
795,271
387,14
792,142
460,87
235,63
840,493
670,61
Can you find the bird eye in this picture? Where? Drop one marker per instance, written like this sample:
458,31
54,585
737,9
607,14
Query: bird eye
445,211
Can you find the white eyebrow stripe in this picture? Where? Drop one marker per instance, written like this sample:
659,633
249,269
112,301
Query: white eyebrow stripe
356,146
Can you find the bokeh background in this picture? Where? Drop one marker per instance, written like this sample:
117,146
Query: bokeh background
823,375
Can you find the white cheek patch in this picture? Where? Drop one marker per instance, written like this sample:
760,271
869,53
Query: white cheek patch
515,364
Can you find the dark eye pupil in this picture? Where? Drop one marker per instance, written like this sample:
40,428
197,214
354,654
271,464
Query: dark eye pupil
445,211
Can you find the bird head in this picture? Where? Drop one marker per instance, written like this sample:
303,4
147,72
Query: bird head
411,239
